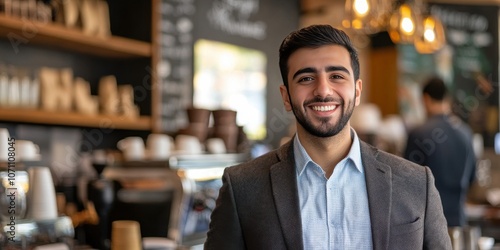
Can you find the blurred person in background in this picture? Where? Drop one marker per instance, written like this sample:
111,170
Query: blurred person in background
444,144
325,188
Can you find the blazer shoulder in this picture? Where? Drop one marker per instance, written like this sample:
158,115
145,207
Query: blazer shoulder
399,166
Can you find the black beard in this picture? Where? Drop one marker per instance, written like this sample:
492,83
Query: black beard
324,130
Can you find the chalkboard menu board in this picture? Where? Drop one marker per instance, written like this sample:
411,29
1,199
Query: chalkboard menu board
175,66
257,25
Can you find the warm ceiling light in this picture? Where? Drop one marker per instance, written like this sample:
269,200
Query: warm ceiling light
407,26
432,37
403,25
362,15
361,7
429,35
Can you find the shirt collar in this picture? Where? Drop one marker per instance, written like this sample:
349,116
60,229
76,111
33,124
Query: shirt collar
302,158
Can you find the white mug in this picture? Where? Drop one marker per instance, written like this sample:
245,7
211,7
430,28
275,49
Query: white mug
216,146
188,144
27,150
132,147
41,194
486,243
159,146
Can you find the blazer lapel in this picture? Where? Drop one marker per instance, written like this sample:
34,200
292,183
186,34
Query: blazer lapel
286,199
379,188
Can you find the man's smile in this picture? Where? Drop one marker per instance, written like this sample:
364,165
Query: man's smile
323,108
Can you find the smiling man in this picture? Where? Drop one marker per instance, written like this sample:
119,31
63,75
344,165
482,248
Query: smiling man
326,189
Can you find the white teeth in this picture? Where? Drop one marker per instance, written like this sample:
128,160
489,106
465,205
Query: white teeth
324,108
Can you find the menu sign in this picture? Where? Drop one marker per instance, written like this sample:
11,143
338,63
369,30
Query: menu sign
176,60
237,18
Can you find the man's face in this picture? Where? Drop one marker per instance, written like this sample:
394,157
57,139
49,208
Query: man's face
321,92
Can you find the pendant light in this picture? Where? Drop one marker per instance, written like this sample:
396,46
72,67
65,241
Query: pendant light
404,24
365,16
431,37
406,21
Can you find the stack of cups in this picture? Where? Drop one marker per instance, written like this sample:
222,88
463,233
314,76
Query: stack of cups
126,235
225,127
42,203
198,123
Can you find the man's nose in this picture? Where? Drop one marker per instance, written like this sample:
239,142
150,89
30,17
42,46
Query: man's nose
323,87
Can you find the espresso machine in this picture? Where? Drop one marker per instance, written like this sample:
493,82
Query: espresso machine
201,180
170,199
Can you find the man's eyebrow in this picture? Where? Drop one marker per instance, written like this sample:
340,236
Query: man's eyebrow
304,70
327,69
337,68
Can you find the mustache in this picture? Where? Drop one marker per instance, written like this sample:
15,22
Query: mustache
318,99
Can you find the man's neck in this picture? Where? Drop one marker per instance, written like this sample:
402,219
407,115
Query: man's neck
326,152
438,108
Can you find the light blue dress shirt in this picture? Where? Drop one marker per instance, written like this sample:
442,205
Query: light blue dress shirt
334,211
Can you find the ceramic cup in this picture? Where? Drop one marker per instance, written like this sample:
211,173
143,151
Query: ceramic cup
126,235
198,115
133,148
216,146
41,194
159,146
229,134
224,117
27,150
486,243
188,144
200,130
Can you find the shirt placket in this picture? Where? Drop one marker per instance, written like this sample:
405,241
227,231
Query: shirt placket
334,212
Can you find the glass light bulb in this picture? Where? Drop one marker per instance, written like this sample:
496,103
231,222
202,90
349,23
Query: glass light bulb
429,35
361,7
429,32
407,25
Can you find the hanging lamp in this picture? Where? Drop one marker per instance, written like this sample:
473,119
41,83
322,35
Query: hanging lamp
365,16
431,37
404,24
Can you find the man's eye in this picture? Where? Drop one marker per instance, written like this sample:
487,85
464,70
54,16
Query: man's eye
337,77
305,79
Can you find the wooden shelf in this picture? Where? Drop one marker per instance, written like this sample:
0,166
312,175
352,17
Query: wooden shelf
56,35
74,119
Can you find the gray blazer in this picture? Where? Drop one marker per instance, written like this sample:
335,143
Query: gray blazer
258,204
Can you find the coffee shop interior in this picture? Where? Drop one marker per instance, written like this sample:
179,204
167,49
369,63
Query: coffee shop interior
118,116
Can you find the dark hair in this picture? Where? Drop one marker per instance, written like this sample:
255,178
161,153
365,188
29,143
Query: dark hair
435,88
315,36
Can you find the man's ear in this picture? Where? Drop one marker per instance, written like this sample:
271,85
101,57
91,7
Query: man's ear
285,97
358,88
